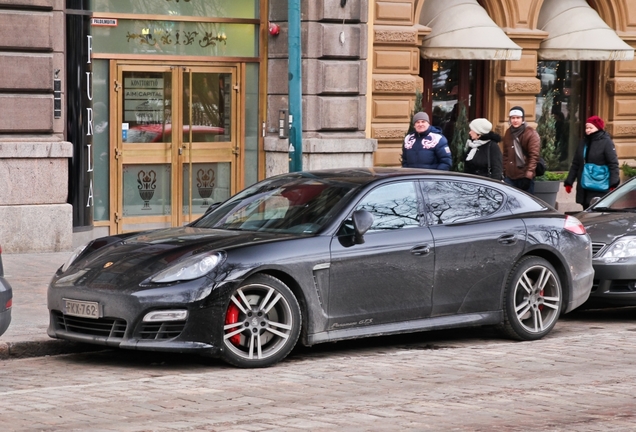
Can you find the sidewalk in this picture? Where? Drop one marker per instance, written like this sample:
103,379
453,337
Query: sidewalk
29,276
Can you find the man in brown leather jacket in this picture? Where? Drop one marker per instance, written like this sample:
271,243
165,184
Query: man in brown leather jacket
521,148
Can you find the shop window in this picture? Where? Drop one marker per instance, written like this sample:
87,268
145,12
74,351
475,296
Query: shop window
449,83
568,80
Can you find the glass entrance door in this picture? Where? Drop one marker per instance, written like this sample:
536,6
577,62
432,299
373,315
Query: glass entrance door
177,143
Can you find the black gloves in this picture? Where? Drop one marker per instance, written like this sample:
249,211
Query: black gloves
524,183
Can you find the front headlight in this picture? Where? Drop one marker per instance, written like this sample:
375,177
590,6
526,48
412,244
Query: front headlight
73,257
188,269
624,247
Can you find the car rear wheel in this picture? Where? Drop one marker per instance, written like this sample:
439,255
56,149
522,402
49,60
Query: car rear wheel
262,323
533,299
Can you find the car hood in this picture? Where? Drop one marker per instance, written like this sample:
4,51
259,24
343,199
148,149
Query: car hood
607,227
131,260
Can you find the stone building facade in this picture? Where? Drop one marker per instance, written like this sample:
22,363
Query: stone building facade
363,63
34,213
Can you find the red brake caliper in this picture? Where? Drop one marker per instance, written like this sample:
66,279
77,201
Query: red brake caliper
541,306
231,317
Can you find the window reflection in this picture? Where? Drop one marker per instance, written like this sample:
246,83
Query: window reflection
147,107
208,108
393,206
453,83
566,78
448,201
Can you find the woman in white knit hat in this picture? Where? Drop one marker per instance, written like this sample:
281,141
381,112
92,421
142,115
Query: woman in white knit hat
484,155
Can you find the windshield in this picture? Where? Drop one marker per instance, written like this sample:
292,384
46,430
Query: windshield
288,205
623,199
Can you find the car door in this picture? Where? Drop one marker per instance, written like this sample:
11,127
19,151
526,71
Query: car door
476,240
389,277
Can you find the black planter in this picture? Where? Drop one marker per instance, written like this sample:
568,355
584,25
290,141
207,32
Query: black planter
547,191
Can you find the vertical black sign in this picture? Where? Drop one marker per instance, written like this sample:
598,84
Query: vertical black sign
79,113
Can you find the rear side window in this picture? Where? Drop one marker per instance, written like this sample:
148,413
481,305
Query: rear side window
449,202
393,206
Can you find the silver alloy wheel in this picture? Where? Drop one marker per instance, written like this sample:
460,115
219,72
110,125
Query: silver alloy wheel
537,299
264,325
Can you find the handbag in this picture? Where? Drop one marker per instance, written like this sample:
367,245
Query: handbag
541,167
595,177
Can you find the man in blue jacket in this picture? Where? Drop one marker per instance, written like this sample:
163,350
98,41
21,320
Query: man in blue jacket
426,147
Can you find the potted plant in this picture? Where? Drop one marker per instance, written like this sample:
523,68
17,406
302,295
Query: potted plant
628,171
547,186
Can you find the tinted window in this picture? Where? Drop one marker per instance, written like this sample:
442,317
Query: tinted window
290,205
623,199
452,201
393,206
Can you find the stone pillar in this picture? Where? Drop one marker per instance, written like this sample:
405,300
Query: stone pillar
619,88
33,154
334,70
395,80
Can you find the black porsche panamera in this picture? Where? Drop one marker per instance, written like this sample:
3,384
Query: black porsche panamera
329,255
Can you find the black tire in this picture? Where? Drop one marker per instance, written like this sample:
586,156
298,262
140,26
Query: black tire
261,323
533,299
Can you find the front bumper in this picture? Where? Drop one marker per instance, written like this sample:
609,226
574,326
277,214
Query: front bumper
121,324
614,283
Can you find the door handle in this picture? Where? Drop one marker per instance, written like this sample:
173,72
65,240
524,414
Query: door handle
507,239
421,250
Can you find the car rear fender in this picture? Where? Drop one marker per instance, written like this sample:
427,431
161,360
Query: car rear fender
558,262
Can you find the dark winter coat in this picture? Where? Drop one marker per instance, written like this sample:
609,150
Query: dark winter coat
531,146
600,151
479,163
426,150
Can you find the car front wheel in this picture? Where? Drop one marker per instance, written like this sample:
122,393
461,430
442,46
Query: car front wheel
533,299
262,323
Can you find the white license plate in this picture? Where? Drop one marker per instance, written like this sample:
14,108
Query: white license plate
82,309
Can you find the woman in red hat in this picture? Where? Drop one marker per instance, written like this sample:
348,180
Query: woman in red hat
597,148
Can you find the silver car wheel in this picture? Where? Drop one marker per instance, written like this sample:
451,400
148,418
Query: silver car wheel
262,323
533,299
537,299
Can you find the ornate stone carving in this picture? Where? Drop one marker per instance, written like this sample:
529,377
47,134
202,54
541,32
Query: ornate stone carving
622,87
531,86
396,36
623,130
389,133
395,85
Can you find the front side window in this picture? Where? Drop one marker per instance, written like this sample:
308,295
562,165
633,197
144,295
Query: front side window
448,202
393,206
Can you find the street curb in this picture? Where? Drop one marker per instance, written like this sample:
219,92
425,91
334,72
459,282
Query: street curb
15,350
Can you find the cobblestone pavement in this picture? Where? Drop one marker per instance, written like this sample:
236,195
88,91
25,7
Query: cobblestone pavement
580,378
29,276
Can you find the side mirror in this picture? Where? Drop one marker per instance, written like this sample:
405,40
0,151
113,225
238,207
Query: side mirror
362,221
594,201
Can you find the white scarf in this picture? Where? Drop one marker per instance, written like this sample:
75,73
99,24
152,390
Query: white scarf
474,145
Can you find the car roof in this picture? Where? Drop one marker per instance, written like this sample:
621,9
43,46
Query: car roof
363,176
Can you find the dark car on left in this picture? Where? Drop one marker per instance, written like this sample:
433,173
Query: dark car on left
6,299
328,255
